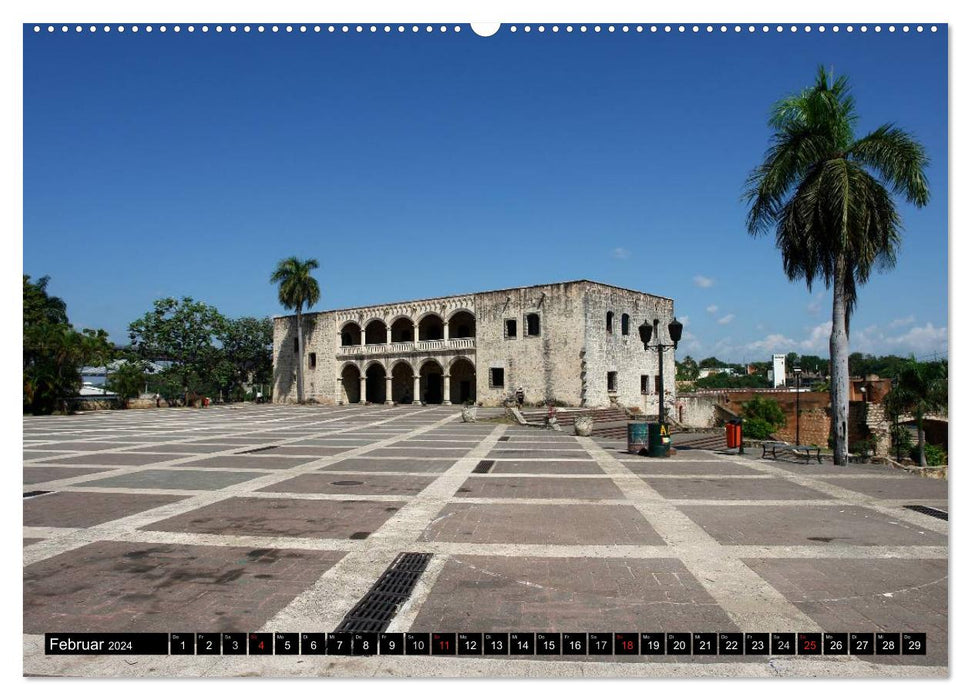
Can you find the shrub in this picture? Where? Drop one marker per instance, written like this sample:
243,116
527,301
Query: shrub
936,456
767,410
757,429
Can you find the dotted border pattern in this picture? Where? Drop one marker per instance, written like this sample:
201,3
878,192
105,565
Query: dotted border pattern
510,29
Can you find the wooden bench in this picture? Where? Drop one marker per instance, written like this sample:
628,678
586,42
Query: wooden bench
775,449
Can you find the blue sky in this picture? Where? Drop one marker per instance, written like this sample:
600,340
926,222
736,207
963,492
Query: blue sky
416,165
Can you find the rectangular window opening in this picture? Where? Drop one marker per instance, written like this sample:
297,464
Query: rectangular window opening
497,377
645,383
510,328
611,381
312,360
532,324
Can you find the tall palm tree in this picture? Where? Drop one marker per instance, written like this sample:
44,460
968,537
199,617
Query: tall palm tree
827,194
921,388
297,288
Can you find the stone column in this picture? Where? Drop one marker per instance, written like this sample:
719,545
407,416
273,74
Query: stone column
417,394
445,331
340,391
363,388
387,387
446,390
389,335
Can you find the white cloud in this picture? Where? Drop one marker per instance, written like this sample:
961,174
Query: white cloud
818,338
704,282
685,321
921,340
620,253
898,322
770,344
724,320
815,305
712,309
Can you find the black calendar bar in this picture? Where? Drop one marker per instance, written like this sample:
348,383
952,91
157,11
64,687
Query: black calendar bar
97,644
640,644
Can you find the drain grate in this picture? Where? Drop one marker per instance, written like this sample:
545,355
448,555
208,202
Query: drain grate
374,612
347,483
258,449
504,438
31,494
484,466
933,512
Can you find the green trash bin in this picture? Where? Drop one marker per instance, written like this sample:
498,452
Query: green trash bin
658,440
636,437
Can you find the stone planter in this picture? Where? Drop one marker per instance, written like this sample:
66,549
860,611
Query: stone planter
468,414
583,426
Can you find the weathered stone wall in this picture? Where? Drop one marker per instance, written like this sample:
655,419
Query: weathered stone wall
625,354
547,366
567,361
697,411
814,413
320,337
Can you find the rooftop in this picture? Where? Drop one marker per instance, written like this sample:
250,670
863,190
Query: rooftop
485,291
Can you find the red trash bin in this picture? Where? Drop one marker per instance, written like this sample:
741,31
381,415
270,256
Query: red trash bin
730,435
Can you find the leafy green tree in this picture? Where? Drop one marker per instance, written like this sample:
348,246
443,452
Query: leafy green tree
687,369
184,332
247,351
39,306
827,195
921,389
725,381
53,351
763,416
297,288
129,380
710,362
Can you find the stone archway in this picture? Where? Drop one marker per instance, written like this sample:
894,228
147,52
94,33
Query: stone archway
350,334
461,381
375,333
403,330
402,383
375,383
461,325
351,384
431,327
432,382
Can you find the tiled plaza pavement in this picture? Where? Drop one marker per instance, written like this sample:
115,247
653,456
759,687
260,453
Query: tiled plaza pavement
282,518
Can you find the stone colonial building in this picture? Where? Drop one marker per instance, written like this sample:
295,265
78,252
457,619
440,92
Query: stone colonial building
576,343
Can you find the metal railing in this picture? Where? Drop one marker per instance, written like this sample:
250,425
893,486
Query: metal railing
407,347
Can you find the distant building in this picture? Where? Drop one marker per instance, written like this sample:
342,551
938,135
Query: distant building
573,342
708,371
777,375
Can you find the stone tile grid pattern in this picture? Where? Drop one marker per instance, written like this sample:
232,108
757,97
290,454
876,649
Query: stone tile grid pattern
550,564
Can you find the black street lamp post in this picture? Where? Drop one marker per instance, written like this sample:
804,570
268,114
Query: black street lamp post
674,332
798,372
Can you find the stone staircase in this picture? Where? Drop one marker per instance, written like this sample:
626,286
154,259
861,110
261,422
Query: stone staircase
607,422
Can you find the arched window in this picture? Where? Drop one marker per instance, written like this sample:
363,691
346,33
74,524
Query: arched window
610,321
532,324
625,325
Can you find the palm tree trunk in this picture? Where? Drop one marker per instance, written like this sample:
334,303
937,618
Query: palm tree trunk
299,356
840,359
921,441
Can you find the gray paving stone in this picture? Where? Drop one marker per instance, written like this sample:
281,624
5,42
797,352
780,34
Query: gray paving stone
541,524
177,479
807,525
734,489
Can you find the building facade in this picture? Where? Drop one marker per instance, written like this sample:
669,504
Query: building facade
575,343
